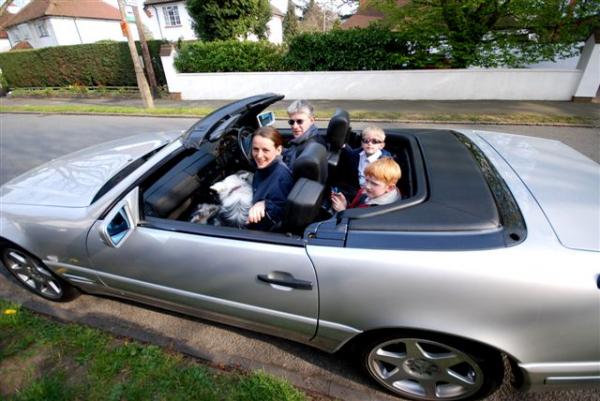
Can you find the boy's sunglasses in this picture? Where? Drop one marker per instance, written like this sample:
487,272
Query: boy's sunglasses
373,141
299,122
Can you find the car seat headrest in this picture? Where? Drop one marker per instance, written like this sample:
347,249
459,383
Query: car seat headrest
338,129
312,163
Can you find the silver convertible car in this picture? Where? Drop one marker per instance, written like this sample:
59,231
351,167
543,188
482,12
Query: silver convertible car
491,255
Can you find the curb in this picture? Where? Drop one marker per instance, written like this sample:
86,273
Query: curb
375,120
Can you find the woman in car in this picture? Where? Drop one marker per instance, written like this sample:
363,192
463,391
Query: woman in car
272,180
302,123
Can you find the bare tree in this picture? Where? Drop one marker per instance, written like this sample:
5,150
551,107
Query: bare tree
317,18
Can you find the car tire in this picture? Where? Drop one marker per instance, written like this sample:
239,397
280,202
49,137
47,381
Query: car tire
428,367
35,276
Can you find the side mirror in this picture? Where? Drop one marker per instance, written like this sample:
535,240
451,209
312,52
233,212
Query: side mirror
121,221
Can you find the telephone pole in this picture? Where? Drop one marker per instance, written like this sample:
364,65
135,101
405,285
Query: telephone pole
145,52
139,73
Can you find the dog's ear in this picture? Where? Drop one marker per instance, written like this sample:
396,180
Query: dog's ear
245,175
218,186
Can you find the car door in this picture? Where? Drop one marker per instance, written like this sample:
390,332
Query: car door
263,281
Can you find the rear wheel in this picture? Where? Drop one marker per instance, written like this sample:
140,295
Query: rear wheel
432,368
35,276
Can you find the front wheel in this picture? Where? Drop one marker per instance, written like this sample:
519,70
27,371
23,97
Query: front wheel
35,276
431,368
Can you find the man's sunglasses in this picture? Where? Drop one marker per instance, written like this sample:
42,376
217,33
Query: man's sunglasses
373,141
299,122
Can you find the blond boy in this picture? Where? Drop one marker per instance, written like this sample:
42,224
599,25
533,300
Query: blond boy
380,188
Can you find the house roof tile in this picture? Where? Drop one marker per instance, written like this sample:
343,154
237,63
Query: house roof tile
359,21
94,9
4,18
366,15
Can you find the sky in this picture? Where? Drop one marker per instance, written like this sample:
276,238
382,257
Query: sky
338,6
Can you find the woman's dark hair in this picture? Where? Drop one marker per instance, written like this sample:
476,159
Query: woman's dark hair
269,133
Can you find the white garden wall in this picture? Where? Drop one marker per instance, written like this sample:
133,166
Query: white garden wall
458,84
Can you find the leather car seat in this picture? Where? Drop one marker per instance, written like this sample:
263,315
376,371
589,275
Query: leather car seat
337,135
311,164
304,201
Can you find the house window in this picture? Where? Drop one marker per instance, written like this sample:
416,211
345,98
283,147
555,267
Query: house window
24,30
171,16
41,29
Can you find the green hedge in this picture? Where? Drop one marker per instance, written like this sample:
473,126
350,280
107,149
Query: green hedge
339,50
98,64
351,50
109,64
229,56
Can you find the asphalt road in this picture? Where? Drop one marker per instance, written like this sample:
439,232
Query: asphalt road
29,140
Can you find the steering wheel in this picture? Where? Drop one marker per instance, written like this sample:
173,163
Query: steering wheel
244,139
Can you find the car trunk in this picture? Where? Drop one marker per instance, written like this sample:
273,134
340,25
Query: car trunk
565,184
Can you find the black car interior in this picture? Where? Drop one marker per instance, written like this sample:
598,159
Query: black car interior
173,191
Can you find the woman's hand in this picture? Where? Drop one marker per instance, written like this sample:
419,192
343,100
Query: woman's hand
338,201
256,212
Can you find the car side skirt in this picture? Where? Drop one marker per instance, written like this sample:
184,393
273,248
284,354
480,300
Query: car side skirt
332,336
553,376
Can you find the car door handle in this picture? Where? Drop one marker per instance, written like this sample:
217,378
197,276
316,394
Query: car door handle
285,279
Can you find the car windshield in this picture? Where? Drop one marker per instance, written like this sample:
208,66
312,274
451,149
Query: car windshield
130,168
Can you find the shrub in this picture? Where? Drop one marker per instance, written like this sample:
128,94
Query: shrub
228,56
350,50
355,49
98,64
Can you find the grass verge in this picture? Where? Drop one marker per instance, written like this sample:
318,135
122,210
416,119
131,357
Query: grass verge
512,118
41,359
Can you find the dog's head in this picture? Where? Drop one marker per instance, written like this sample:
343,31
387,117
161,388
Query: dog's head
232,183
204,212
245,176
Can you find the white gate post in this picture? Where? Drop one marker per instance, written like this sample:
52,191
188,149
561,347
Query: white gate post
167,58
589,63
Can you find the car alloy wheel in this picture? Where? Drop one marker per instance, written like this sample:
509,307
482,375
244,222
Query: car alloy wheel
34,275
424,369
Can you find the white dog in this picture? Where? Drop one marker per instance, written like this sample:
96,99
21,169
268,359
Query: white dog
235,193
205,213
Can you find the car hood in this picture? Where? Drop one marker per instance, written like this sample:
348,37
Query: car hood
565,184
74,179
